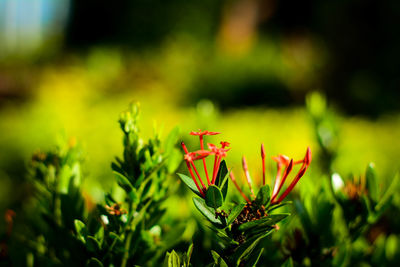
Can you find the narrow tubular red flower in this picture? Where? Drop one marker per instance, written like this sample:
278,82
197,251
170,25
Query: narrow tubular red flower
263,162
281,161
304,167
292,185
200,133
238,188
188,160
198,175
194,179
281,183
247,174
204,160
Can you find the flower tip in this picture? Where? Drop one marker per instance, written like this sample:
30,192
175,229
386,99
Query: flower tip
225,144
262,151
307,158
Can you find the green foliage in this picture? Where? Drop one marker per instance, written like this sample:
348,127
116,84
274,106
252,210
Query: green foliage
115,233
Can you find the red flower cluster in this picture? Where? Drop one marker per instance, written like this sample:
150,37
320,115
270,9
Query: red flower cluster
191,157
282,161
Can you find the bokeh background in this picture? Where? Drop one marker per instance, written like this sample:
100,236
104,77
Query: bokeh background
241,67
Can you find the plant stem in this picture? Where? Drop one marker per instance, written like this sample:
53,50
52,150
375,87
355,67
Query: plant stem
126,248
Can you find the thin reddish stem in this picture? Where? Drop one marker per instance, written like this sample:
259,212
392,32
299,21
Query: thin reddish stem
289,168
238,188
204,160
247,174
263,162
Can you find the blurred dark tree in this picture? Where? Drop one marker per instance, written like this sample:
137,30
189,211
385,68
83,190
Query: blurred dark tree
361,38
139,23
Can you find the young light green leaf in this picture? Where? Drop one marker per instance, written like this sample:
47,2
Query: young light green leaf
173,259
372,182
214,197
235,212
81,230
263,196
207,212
189,183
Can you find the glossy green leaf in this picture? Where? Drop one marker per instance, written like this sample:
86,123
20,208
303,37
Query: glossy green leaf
222,178
244,250
173,259
269,220
207,212
372,182
214,197
263,196
235,212
123,181
189,183
218,261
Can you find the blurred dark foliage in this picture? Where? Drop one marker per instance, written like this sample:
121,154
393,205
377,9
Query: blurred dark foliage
361,38
139,23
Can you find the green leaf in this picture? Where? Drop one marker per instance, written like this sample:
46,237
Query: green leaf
244,250
288,263
218,261
189,254
263,196
269,220
214,197
271,208
81,230
388,194
189,183
93,262
222,177
207,212
372,182
92,244
173,259
123,181
235,212
254,258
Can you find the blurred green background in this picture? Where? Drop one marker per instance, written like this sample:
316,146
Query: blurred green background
241,67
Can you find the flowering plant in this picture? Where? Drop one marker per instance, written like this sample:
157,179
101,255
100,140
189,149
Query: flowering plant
239,226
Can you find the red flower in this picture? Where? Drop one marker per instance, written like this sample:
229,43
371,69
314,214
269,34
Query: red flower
201,133
282,161
190,157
